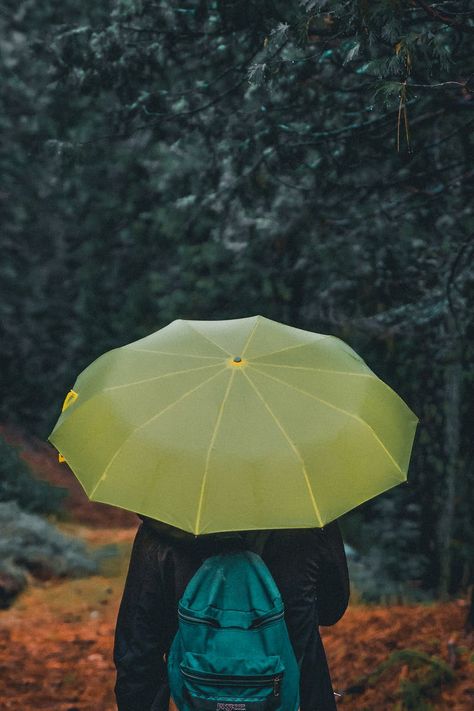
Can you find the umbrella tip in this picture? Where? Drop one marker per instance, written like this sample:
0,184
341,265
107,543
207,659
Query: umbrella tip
237,359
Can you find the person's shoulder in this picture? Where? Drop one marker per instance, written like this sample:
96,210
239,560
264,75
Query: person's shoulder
330,530
165,532
306,541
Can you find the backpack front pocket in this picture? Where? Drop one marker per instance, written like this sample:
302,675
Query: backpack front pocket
231,684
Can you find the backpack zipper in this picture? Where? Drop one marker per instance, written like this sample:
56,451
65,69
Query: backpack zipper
276,685
236,680
214,623
267,620
198,620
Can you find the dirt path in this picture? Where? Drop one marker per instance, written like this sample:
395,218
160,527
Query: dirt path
367,636
56,643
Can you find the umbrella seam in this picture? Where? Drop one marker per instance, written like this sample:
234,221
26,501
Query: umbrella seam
251,335
177,355
294,449
208,455
158,377
370,374
289,348
158,414
338,409
320,370
207,338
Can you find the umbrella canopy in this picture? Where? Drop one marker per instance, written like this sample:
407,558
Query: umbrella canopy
234,425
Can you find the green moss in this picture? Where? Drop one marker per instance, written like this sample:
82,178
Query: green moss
426,676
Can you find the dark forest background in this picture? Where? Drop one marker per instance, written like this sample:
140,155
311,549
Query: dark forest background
308,161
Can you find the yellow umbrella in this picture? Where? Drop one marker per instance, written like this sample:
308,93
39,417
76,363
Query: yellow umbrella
234,425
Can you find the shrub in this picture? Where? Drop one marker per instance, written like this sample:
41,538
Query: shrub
29,544
18,484
426,676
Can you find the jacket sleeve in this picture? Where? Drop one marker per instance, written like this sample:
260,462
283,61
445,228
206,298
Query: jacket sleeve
310,569
333,577
141,636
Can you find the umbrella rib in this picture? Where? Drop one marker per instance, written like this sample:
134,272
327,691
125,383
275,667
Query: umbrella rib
335,372
159,377
207,338
251,335
290,348
176,355
338,409
317,370
293,448
158,414
209,450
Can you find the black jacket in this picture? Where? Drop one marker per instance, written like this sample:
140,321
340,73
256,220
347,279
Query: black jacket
309,567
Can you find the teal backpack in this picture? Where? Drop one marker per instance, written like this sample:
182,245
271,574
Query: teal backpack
232,651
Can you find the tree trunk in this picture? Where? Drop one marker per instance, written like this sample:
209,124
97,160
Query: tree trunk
452,426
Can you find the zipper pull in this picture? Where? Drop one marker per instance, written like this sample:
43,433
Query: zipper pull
276,686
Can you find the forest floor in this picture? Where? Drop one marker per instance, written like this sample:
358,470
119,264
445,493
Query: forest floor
56,640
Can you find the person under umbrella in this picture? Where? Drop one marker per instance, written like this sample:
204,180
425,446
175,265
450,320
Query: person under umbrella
234,427
308,566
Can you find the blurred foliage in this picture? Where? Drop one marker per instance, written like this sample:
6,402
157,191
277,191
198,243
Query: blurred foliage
387,565
311,161
420,684
29,545
19,485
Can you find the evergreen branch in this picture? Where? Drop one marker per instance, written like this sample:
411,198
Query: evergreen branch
173,33
238,66
422,312
440,85
444,139
351,128
167,116
445,19
189,112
